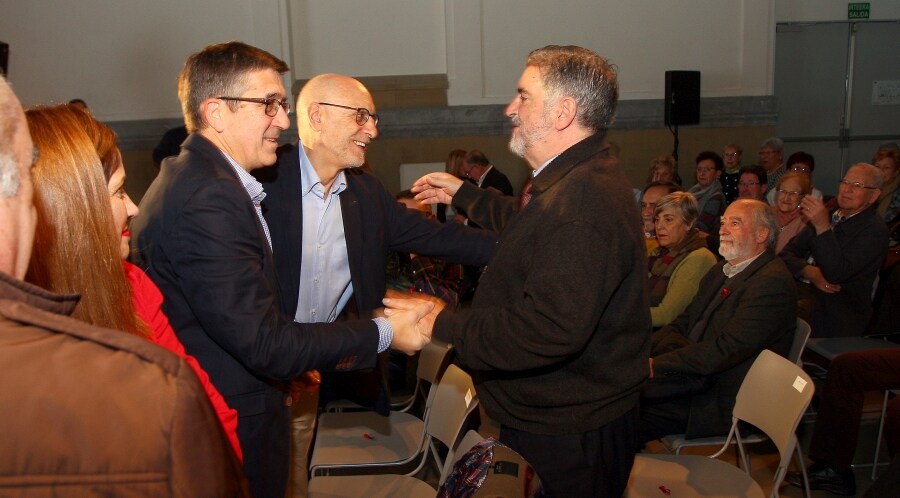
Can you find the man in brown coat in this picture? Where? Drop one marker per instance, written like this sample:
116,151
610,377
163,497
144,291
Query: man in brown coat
88,411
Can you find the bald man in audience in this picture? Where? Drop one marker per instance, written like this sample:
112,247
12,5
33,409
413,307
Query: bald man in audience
89,411
837,256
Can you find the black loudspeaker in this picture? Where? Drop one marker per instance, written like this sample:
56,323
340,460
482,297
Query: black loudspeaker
4,58
682,97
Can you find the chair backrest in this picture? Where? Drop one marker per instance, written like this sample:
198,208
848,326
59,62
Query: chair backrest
433,360
801,335
454,400
773,397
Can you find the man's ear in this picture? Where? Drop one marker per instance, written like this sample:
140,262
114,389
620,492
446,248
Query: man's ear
564,114
314,113
212,113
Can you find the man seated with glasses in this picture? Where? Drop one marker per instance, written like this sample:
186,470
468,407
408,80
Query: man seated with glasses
753,183
838,255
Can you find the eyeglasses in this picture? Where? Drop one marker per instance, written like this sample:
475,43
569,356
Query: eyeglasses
705,170
272,104
767,152
362,114
856,185
789,193
730,154
800,169
747,184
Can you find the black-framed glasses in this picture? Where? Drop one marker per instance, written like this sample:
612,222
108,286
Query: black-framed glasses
362,114
272,104
856,185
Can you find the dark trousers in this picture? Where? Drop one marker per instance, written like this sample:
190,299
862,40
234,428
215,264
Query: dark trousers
590,464
265,437
850,375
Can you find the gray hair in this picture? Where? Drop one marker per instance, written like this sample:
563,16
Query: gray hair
9,124
763,216
773,143
684,203
874,174
583,75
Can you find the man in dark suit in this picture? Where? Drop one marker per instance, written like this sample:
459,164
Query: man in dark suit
745,304
478,169
204,241
847,246
333,226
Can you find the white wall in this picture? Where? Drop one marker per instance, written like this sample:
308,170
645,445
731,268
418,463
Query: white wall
831,10
123,56
729,42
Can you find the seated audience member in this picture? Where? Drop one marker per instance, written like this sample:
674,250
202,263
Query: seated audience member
791,189
745,304
708,190
87,410
170,144
731,176
479,169
847,247
798,162
409,272
79,185
836,432
663,169
649,197
454,165
887,159
754,183
682,259
771,158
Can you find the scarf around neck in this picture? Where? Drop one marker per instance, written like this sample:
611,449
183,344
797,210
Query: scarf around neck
663,261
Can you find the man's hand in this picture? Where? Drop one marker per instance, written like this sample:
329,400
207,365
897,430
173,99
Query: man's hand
436,188
815,277
410,333
814,212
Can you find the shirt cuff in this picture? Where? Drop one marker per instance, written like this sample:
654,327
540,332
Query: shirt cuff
385,333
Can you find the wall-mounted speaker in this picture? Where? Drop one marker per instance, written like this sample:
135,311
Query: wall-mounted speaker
682,97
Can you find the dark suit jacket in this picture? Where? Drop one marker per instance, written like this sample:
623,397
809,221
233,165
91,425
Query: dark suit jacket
200,240
850,254
374,224
758,311
494,178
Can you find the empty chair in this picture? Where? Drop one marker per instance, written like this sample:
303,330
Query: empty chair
360,440
773,396
454,401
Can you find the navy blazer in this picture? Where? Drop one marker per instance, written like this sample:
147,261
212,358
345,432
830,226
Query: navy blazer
374,224
200,240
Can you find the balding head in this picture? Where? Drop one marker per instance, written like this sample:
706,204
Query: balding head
336,122
16,207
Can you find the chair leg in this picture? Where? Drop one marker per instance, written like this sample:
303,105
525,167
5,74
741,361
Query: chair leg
880,431
802,464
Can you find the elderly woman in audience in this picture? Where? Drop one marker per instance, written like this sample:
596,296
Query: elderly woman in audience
82,238
708,190
663,169
791,189
887,159
455,161
676,267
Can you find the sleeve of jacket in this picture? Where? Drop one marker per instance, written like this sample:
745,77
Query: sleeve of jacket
219,265
489,210
753,323
201,461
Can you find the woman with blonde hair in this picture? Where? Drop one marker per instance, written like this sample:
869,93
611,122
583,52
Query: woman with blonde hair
791,189
663,169
82,238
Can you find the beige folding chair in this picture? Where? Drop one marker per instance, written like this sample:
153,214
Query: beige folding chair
674,443
357,441
454,401
773,397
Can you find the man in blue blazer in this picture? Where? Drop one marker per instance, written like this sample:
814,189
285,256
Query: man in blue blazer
333,225
204,241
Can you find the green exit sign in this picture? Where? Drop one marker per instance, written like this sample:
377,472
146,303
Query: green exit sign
858,10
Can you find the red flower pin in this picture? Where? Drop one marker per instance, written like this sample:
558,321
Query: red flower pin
724,292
